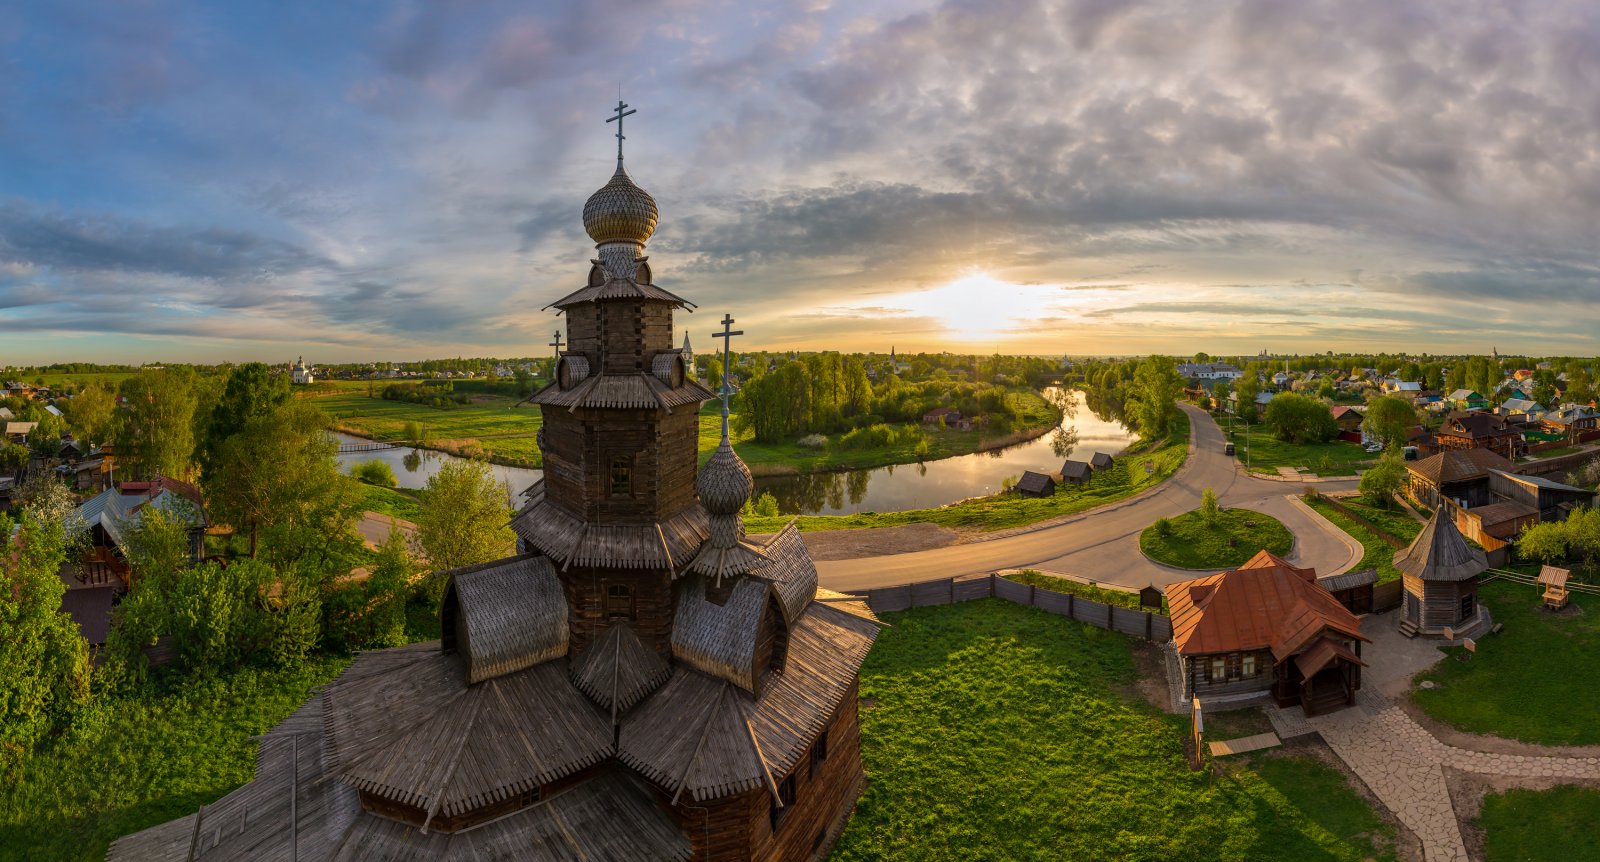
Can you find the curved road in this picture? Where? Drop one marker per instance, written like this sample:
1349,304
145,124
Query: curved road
1103,544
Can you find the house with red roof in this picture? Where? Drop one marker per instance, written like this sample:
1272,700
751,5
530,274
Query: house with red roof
1266,626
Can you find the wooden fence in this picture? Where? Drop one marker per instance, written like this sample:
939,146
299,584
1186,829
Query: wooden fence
1386,596
944,591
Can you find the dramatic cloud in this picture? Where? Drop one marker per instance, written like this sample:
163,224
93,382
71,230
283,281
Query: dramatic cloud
370,182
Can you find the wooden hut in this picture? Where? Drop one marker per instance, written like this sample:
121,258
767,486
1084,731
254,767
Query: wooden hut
1266,626
1352,589
1554,581
1076,472
1036,484
1101,461
642,683
1440,577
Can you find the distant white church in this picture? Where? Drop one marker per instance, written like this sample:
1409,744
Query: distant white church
301,373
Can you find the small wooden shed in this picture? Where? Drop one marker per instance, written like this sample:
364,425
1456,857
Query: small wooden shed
1101,461
1036,484
1076,472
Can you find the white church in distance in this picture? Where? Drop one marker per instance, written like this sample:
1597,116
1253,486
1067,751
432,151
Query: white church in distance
299,372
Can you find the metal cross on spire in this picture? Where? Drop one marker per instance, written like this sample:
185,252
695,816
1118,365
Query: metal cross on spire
727,334
622,111
557,344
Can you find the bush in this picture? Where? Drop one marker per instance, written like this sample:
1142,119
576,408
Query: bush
812,441
1301,419
375,473
1163,527
1209,510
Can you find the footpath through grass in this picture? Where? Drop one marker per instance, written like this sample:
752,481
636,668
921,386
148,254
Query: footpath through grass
1555,825
1537,681
1268,453
992,731
1000,511
1191,543
1376,553
135,763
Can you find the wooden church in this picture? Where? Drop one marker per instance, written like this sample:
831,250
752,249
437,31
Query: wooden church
644,682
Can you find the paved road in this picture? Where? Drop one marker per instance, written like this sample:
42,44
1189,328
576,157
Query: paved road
1103,544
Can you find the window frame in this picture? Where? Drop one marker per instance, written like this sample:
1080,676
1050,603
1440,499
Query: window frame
619,467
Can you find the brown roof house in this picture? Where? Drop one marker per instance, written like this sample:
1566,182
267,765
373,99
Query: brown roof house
1479,430
1440,578
1266,626
643,683
1461,475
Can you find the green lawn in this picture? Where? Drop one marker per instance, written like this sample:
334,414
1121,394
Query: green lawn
109,379
139,762
1000,732
1535,681
1555,825
507,433
405,505
1268,453
1191,543
1119,598
1126,478
1377,553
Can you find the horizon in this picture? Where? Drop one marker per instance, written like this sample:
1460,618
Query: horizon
200,184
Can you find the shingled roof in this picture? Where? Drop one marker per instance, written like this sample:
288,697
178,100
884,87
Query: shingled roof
1440,552
1264,604
506,615
1458,465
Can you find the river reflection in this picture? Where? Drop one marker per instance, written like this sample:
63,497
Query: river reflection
936,483
413,467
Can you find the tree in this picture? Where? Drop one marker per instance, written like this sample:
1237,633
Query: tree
45,438
1209,509
279,471
463,519
44,661
1389,419
1156,386
1248,387
857,388
250,392
375,473
12,458
93,412
1301,419
1546,542
157,432
1380,482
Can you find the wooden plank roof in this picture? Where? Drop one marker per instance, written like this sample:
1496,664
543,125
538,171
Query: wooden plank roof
720,640
790,571
618,670
619,289
1440,552
569,541
1457,465
638,391
514,613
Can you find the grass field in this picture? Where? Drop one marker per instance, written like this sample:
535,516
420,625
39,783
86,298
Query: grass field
999,732
1268,453
1091,592
1535,681
1555,825
1191,543
406,505
1000,511
139,762
1377,553
110,379
507,433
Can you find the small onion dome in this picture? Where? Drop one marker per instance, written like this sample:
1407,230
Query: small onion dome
724,483
620,212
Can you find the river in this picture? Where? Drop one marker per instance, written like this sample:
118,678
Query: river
937,483
880,489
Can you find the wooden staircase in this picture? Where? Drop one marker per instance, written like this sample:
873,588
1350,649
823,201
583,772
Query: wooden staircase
1408,628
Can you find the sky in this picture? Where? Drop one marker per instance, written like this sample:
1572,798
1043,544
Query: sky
361,181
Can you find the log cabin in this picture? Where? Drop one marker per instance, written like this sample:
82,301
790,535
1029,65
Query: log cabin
1439,575
641,682
1266,627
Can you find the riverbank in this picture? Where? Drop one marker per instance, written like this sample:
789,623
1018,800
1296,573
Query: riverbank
496,428
1127,478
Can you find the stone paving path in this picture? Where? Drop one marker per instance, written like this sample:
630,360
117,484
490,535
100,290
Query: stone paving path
1404,765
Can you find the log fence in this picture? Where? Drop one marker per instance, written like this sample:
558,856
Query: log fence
945,591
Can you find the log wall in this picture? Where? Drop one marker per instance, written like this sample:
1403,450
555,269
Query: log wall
944,591
588,618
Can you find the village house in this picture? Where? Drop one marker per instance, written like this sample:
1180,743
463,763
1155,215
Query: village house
944,417
1101,461
17,432
1266,626
1467,399
1520,407
1209,371
1479,430
1461,475
1576,422
1076,472
1548,499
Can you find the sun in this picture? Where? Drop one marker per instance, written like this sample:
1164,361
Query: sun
979,306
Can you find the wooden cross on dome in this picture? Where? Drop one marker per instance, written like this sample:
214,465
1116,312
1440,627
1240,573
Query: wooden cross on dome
727,334
622,111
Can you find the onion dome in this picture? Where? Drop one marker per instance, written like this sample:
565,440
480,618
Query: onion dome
724,483
620,212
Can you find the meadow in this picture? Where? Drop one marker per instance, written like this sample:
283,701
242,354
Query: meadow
1189,542
995,731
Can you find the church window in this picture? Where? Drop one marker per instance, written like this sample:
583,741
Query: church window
819,752
621,475
786,798
619,600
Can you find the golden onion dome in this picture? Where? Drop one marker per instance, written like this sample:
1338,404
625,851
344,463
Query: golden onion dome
620,211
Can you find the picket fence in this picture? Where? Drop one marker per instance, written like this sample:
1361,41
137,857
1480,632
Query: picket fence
944,591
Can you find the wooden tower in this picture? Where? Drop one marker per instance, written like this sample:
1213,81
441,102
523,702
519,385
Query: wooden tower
642,683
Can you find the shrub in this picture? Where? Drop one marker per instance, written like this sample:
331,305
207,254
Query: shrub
375,473
766,505
812,441
1209,510
1163,527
